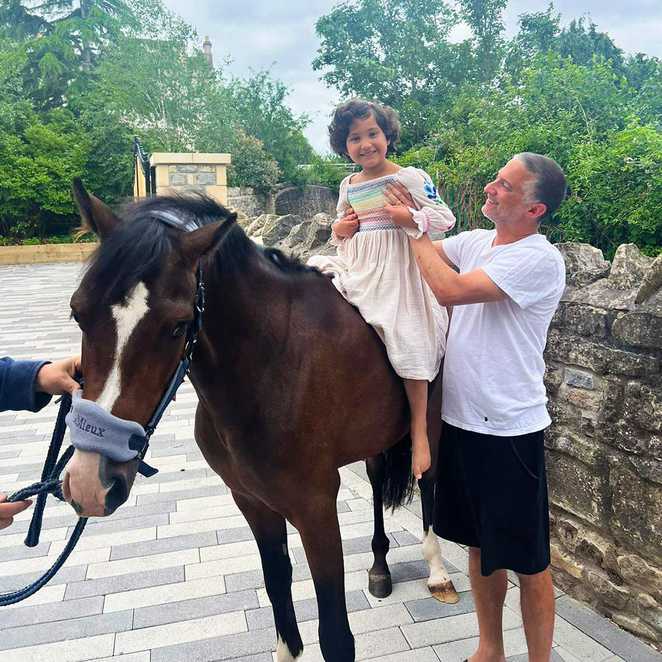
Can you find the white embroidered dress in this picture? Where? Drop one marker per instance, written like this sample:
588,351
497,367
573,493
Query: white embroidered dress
376,271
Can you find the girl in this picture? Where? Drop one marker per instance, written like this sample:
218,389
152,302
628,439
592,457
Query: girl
375,269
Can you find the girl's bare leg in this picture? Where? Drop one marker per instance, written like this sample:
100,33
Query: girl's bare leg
417,394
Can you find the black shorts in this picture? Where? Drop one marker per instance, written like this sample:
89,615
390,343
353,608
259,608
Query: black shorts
491,493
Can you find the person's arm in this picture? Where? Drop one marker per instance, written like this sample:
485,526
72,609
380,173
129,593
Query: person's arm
427,211
449,287
17,385
29,385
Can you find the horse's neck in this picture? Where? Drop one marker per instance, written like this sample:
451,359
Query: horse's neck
245,319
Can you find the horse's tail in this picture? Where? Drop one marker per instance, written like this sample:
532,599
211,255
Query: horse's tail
398,486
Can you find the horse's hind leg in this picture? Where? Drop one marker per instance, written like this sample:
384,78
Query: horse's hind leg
317,522
379,576
439,582
271,536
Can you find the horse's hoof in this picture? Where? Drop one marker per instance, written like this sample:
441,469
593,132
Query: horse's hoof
380,586
445,593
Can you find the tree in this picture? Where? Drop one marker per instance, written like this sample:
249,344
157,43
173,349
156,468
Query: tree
62,39
396,51
261,110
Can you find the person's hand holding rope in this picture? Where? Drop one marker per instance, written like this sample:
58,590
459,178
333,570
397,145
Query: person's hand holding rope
54,378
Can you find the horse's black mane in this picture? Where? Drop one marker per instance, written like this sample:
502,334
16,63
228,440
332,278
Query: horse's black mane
150,232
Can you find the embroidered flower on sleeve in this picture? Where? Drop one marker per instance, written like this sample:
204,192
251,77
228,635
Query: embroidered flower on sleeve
431,192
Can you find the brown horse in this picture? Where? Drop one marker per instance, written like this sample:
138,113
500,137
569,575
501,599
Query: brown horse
292,385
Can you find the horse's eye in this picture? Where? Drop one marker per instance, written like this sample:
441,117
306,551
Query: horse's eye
180,329
74,317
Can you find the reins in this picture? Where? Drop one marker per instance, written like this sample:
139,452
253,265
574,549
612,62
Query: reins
50,482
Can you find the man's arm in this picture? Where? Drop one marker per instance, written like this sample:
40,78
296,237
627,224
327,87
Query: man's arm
449,287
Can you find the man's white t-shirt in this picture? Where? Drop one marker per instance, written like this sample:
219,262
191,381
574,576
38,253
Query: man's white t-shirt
494,368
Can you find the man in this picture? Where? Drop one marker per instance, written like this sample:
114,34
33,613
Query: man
29,385
504,285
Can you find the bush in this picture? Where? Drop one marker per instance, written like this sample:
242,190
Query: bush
617,192
251,164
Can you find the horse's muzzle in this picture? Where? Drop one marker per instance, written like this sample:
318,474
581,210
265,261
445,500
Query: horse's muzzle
96,486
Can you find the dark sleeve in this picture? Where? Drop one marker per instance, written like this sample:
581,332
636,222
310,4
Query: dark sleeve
17,380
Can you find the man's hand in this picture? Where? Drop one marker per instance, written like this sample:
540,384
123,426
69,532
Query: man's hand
58,377
8,510
400,202
347,226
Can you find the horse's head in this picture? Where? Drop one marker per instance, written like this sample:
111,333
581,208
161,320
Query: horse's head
134,306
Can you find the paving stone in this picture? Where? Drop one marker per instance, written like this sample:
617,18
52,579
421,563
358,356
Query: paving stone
524,657
208,490
218,648
205,539
32,635
13,553
63,576
187,609
306,610
430,608
176,633
580,645
128,523
234,535
604,631
55,611
131,581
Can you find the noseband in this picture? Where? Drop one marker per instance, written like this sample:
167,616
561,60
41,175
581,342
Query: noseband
121,447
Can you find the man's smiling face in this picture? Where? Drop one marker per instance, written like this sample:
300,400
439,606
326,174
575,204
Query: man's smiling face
510,194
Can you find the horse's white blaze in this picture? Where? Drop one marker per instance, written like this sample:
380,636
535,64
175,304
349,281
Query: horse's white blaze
432,554
126,318
283,652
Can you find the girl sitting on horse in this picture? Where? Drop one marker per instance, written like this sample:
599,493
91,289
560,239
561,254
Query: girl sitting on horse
375,269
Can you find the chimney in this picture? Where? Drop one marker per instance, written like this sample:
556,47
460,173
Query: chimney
206,49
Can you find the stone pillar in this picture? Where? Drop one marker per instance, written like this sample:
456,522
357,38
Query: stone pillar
183,173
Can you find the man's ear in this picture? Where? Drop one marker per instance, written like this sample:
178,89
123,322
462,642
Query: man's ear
97,217
538,210
203,240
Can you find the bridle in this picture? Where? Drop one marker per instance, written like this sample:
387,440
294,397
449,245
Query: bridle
50,482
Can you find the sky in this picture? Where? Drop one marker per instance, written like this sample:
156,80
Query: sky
280,36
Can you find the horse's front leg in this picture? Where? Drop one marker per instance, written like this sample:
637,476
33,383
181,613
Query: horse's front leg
271,536
320,533
379,576
439,582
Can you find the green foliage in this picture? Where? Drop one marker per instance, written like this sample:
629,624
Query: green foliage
328,171
251,164
259,102
617,191
80,78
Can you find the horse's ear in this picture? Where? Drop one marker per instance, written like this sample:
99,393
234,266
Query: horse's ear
97,217
203,240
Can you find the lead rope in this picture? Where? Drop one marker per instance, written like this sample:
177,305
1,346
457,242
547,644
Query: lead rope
50,484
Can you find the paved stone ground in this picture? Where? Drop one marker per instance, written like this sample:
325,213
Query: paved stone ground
174,575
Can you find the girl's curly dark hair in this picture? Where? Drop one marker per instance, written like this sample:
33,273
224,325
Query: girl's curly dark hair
347,112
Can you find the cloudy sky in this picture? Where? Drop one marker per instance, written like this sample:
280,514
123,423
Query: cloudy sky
266,34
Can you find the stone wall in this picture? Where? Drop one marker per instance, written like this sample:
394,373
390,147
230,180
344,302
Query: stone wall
249,201
604,448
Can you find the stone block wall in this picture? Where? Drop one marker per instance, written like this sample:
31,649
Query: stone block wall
604,448
249,201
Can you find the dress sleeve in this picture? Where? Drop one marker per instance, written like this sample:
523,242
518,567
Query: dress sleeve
431,212
340,210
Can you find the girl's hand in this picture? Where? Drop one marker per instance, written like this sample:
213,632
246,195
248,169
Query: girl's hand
347,226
